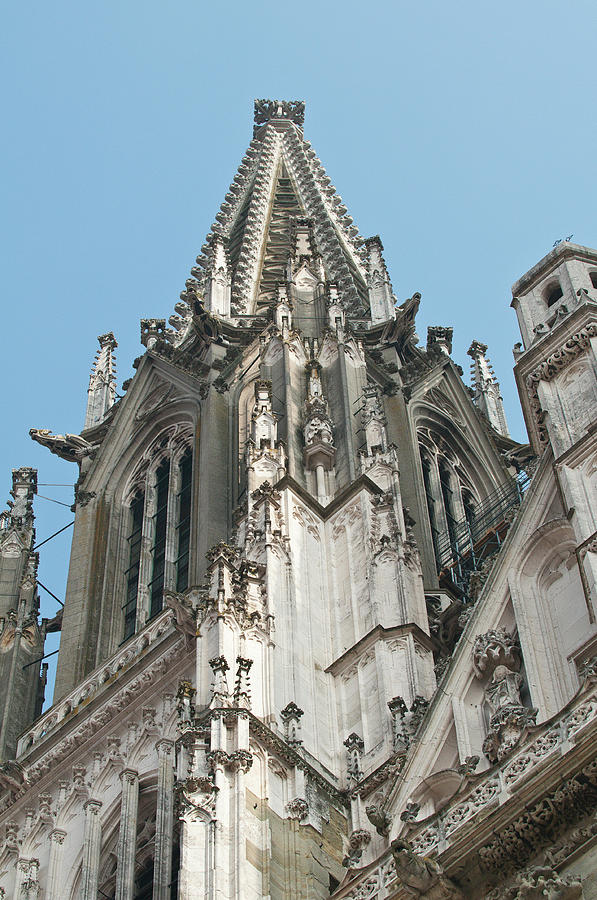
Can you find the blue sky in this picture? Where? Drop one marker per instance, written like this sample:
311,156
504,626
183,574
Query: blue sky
463,134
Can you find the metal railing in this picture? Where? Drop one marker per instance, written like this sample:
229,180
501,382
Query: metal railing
463,546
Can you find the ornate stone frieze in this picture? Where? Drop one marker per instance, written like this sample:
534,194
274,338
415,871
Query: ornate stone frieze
550,367
567,804
537,883
73,705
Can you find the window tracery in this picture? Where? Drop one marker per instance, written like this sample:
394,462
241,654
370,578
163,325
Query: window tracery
159,526
450,496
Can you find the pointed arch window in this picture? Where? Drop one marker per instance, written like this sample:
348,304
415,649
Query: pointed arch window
184,521
431,502
134,560
159,528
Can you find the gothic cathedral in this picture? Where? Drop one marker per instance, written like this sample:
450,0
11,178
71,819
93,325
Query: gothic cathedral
328,630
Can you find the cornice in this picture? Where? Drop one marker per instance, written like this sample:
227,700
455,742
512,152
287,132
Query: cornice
498,823
363,482
113,675
565,250
581,316
379,633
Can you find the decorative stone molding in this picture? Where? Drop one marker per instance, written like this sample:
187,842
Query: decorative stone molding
410,813
495,648
73,705
497,654
569,802
291,716
358,841
540,882
550,367
297,809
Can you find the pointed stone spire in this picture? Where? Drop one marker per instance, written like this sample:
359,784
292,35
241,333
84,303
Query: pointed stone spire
381,298
487,390
217,288
102,382
280,209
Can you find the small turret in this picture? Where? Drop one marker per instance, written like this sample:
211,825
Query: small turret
487,398
21,639
552,288
102,382
381,298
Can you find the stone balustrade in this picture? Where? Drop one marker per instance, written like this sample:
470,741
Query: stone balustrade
96,682
546,743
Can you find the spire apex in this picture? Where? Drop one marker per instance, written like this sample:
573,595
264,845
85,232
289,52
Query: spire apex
290,110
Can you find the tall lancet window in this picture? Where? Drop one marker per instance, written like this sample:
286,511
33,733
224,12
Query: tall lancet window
159,528
427,481
156,587
184,521
134,560
449,505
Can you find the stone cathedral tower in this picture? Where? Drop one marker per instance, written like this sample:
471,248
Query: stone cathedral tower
328,629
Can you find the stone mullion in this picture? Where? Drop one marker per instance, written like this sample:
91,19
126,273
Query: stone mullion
147,541
164,822
55,890
92,839
172,517
127,838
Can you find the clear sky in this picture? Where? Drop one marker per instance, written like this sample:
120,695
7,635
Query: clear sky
462,133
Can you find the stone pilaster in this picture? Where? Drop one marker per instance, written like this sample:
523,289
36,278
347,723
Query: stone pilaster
164,821
127,839
55,888
92,838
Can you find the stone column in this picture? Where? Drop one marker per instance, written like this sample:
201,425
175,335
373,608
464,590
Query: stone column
55,889
92,839
164,822
127,838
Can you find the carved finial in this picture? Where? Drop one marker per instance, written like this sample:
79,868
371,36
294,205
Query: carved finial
101,393
439,337
291,110
381,298
24,488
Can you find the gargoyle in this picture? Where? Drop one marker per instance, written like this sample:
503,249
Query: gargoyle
423,876
71,447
